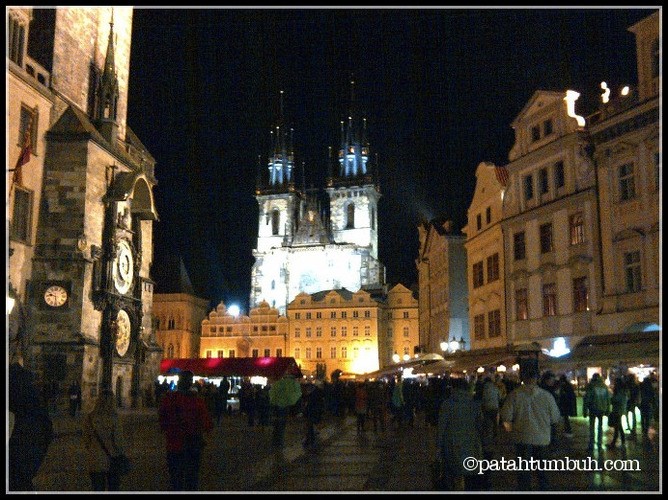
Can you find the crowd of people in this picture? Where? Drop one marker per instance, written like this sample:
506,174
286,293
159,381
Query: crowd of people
468,414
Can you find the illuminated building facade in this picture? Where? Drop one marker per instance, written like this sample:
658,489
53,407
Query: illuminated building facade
263,332
485,258
82,209
551,238
355,332
443,294
625,132
303,248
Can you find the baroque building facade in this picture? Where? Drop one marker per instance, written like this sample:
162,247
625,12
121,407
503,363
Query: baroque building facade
486,259
81,204
304,249
550,226
625,132
443,291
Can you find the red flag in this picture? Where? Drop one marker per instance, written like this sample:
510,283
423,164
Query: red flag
24,157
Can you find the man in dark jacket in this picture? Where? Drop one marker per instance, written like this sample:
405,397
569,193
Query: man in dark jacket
567,404
596,404
313,407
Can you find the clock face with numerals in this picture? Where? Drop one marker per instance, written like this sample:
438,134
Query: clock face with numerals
123,267
55,296
123,328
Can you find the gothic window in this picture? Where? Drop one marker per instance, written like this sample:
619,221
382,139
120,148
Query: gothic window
170,351
22,215
170,324
350,216
275,220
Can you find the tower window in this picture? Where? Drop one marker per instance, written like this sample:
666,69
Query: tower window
275,220
559,180
22,216
528,187
350,216
627,188
16,39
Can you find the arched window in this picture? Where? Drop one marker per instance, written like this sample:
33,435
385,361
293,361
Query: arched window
170,351
373,217
170,324
275,219
350,216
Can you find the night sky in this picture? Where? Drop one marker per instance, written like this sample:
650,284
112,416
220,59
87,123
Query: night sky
439,88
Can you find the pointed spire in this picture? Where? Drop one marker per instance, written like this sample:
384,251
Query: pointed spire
108,93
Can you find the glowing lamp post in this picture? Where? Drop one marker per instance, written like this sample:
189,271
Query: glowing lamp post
395,357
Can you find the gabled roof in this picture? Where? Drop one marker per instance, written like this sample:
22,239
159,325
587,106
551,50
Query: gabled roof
539,99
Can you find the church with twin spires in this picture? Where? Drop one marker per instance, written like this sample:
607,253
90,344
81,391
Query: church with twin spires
304,247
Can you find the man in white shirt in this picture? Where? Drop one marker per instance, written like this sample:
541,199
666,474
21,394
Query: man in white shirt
528,413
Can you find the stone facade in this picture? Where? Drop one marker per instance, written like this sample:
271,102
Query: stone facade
92,208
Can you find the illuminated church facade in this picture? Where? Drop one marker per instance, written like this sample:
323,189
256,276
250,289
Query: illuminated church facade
303,248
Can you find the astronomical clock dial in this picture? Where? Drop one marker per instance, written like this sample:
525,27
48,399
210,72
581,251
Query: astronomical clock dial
123,328
55,296
123,267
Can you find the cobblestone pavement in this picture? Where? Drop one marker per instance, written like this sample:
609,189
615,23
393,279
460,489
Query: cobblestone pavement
240,458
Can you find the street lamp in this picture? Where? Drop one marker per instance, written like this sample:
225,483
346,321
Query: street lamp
444,346
395,357
454,344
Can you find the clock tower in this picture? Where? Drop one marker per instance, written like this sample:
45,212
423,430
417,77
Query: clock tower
90,307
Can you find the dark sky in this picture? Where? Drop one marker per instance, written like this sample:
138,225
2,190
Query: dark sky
439,87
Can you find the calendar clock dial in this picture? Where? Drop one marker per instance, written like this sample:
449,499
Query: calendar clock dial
123,329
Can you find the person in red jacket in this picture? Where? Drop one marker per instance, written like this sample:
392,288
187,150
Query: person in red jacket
184,419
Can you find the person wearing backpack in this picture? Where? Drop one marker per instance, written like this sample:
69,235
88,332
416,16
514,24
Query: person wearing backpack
184,419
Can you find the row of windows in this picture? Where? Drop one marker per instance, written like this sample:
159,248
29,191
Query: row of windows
308,352
230,329
332,315
493,325
543,181
488,218
406,330
538,132
255,353
549,295
576,236
332,331
492,271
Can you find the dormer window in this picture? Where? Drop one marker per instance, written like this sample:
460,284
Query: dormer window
547,127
